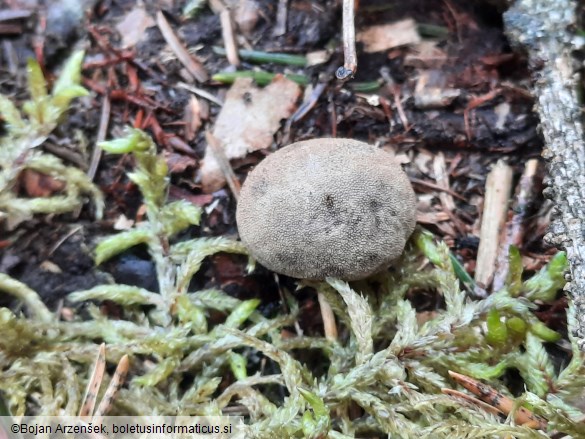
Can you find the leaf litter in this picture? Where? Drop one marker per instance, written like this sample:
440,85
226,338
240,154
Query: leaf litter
247,122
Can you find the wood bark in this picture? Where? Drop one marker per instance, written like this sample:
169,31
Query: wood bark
543,28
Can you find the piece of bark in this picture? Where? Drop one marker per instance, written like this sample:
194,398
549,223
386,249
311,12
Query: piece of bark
542,28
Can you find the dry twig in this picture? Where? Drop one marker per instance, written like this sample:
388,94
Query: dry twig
349,53
191,64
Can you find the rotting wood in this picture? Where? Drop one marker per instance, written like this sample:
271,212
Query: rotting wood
542,28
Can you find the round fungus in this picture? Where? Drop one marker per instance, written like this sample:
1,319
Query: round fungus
327,207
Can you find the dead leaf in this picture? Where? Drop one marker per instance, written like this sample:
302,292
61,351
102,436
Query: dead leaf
178,163
176,193
247,122
40,185
123,223
425,55
132,28
431,90
388,36
247,15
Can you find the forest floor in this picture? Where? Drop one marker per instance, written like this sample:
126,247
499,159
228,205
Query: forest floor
437,85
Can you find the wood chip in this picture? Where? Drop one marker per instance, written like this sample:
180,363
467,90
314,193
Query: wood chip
495,209
247,16
514,232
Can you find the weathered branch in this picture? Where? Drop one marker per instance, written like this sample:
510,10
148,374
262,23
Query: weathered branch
543,29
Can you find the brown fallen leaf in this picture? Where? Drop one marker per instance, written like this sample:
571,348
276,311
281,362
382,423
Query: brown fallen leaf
247,15
40,185
431,90
388,36
176,193
425,55
247,122
133,26
178,163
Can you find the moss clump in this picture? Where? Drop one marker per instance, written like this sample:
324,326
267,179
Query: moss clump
26,132
383,376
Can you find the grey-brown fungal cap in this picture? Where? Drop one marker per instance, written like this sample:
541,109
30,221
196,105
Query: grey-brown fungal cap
326,207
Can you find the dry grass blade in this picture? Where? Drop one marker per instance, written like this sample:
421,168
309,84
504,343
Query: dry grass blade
495,209
504,404
447,201
101,136
193,66
93,386
468,398
117,381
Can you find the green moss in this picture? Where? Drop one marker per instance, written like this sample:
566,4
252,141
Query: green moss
19,148
386,366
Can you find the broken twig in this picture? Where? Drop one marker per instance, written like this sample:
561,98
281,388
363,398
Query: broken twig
522,415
